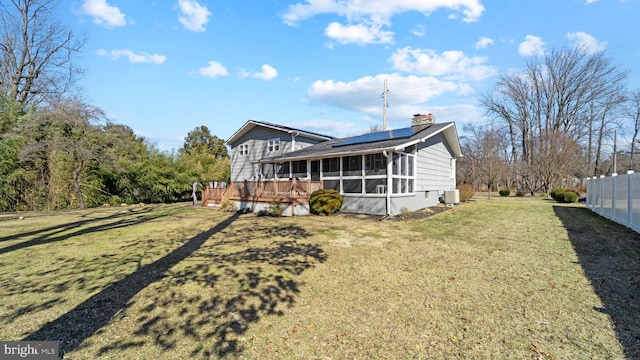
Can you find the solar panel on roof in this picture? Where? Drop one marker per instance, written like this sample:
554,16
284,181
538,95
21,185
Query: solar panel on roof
378,136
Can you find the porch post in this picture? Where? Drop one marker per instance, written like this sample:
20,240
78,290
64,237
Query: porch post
389,184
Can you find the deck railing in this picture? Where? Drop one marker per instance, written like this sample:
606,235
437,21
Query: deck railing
262,191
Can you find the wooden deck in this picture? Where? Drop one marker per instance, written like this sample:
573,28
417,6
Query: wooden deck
285,191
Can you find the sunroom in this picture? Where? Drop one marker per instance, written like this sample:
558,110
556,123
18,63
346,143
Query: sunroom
363,174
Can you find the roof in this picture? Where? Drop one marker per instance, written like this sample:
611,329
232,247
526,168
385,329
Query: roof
342,147
249,125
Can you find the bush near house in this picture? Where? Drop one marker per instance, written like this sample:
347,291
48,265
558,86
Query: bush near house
563,195
557,194
276,208
228,206
325,202
570,197
466,192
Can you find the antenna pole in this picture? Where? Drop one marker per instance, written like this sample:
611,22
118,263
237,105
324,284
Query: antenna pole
384,106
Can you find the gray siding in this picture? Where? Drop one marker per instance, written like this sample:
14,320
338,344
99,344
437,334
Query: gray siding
421,200
243,166
433,165
364,205
377,205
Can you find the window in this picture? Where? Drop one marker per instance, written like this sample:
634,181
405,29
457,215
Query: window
331,185
331,167
352,166
375,164
376,186
274,144
403,173
352,186
299,169
244,149
283,170
368,175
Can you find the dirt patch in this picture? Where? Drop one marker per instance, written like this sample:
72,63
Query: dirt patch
422,213
405,216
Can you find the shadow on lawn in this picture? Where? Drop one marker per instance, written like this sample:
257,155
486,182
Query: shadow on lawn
609,254
47,238
262,276
50,231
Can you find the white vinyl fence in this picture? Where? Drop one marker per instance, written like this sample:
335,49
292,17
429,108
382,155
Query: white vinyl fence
617,198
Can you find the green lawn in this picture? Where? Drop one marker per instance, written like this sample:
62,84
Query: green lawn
501,278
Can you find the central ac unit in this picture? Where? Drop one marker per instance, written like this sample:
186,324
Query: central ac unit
452,196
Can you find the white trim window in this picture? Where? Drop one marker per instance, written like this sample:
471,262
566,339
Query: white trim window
244,149
273,144
403,176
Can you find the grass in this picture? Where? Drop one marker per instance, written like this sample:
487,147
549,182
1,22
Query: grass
500,278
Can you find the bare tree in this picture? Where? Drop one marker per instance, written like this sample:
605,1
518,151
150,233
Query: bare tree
486,161
568,92
557,159
603,118
36,52
633,112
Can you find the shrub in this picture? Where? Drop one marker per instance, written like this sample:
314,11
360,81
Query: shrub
505,192
466,192
228,206
558,194
562,195
275,208
325,202
115,200
570,197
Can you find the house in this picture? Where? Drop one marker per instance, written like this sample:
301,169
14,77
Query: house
381,173
257,140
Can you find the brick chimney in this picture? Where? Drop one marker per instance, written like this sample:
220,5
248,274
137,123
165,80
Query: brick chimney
422,121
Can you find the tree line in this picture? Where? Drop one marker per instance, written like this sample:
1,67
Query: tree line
68,155
553,124
57,151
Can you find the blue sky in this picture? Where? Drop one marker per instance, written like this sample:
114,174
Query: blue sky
164,67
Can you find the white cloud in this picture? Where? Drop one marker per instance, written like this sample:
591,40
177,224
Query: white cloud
588,2
133,57
586,42
360,34
363,95
367,18
483,42
381,9
268,73
451,65
213,69
419,31
532,45
103,13
194,16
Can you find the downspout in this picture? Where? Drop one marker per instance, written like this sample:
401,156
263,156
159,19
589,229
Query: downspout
293,139
389,185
